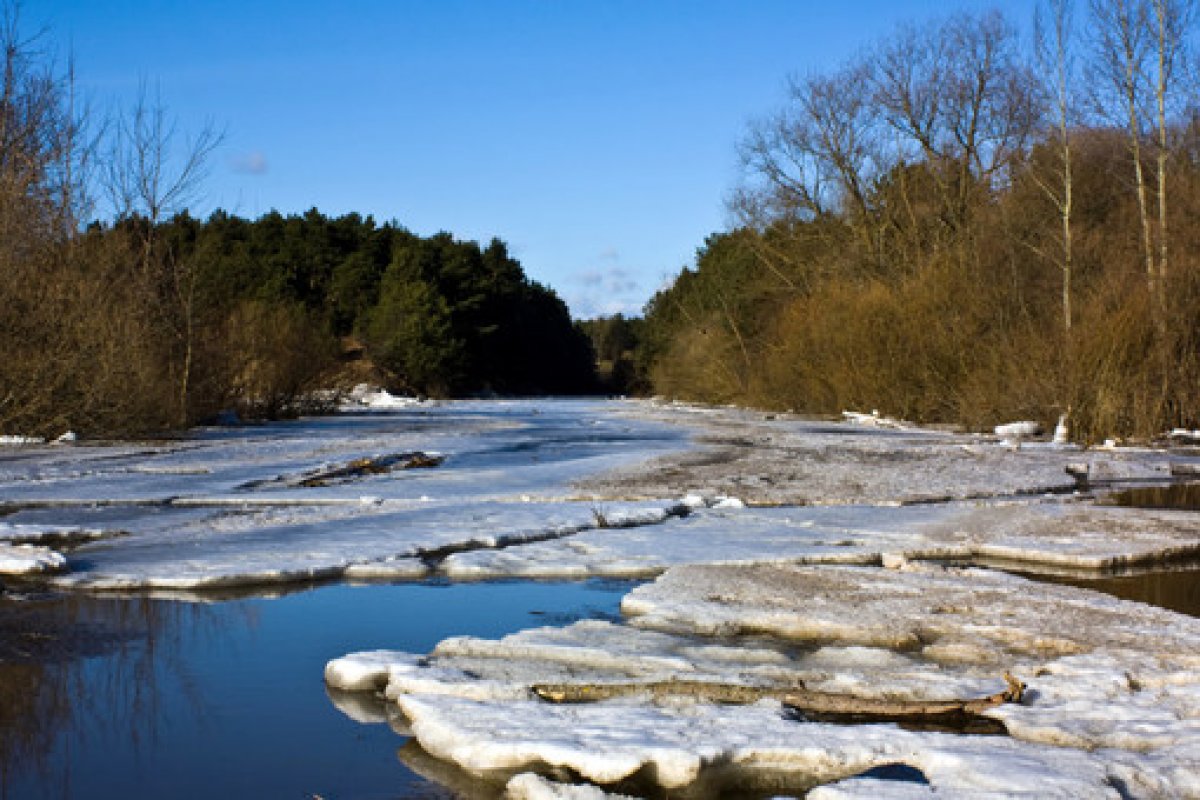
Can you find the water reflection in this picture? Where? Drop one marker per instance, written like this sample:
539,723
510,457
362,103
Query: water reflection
1174,589
144,697
92,666
1184,496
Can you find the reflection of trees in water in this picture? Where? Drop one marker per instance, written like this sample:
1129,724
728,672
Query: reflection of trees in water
29,718
1177,590
75,666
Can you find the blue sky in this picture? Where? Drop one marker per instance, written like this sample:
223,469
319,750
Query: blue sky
598,138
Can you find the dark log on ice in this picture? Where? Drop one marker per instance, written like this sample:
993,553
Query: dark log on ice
797,698
376,465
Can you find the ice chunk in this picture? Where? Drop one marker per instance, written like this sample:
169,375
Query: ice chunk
28,559
365,395
1016,431
841,534
755,746
277,544
365,671
1048,537
1084,537
1103,673
1100,704
1000,615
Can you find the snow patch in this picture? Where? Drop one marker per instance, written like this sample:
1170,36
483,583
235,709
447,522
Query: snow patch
874,420
366,396
28,559
10,440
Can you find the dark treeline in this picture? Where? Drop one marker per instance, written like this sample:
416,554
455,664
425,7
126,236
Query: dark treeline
951,229
616,342
159,320
155,326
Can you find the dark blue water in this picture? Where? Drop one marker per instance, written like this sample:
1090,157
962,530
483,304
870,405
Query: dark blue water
135,697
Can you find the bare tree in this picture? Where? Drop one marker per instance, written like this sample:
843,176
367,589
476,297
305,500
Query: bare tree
961,96
815,158
151,174
42,137
1121,48
150,170
1054,56
1139,53
1171,20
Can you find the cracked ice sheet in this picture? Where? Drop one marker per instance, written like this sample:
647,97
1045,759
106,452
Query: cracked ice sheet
601,652
284,545
468,702
778,459
1066,536
1119,679
611,741
493,449
189,524
831,534
1048,536
1114,696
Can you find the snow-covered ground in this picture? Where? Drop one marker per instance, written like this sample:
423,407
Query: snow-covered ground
785,550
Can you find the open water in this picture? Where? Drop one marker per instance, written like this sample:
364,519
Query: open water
137,697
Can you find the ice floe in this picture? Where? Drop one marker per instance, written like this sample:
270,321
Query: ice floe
875,420
1047,537
1108,676
359,540
732,747
468,702
1111,709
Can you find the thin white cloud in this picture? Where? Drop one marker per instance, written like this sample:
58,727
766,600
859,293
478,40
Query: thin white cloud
251,163
605,291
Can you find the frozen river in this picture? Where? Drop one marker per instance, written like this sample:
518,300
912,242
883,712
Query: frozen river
172,606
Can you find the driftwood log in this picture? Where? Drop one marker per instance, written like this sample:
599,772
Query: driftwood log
358,468
797,698
375,465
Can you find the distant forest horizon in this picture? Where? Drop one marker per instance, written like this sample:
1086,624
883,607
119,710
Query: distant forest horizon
954,226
